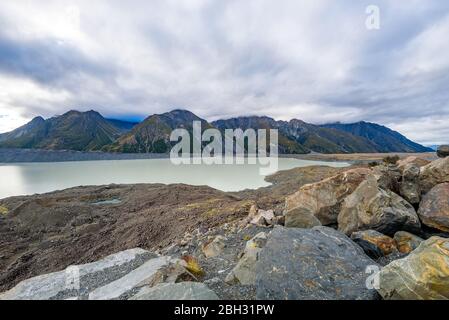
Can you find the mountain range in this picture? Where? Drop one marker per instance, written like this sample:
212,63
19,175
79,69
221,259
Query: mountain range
90,131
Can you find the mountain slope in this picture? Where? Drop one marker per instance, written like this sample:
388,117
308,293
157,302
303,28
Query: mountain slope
123,126
287,145
297,136
153,134
26,136
80,131
89,131
383,138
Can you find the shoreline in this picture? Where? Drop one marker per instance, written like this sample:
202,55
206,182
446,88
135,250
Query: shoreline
11,156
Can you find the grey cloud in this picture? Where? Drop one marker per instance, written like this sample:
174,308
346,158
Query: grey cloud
46,60
287,59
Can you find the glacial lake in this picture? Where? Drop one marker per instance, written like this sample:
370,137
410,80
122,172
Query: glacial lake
34,178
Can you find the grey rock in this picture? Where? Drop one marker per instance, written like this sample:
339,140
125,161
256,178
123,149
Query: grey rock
176,291
434,208
63,285
319,203
434,173
136,278
443,151
375,244
388,177
245,270
406,241
418,161
422,275
301,218
371,207
215,247
386,260
409,187
307,264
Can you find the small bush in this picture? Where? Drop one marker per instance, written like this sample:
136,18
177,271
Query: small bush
391,159
3,210
193,266
373,164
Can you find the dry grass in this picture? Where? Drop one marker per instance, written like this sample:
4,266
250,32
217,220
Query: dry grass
3,211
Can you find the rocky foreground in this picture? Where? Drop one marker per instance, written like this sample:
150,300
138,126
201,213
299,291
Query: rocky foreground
364,233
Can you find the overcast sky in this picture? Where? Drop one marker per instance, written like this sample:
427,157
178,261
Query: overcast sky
311,60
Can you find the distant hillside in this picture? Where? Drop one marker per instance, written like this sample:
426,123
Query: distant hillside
287,145
81,131
124,126
153,134
89,131
297,136
383,138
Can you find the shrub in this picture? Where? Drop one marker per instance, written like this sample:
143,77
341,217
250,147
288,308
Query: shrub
3,210
193,266
373,164
391,159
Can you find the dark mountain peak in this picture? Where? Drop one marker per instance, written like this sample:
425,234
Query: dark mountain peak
37,120
298,122
123,125
76,113
248,122
248,118
180,115
384,138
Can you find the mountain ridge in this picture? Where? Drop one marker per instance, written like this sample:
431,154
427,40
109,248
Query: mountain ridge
90,131
385,139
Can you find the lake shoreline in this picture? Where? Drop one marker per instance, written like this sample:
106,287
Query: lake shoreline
8,156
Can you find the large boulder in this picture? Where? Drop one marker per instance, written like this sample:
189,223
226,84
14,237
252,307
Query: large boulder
434,173
434,208
215,247
245,270
407,242
409,187
301,217
417,161
422,275
370,207
388,177
319,203
375,244
110,278
443,151
182,291
312,264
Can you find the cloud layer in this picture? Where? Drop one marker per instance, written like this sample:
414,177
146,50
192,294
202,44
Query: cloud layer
312,60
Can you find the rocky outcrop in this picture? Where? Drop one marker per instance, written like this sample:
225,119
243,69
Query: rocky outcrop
409,187
215,247
319,203
370,207
375,244
434,208
443,151
306,264
176,291
388,177
263,218
434,173
423,275
245,270
301,217
407,242
417,161
114,277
